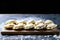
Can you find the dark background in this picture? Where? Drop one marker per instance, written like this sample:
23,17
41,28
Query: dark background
29,6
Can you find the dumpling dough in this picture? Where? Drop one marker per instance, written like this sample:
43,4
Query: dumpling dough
11,22
21,22
48,21
31,22
9,26
39,21
29,26
40,26
51,26
19,26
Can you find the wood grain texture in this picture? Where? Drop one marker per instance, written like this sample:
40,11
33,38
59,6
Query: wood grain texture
30,32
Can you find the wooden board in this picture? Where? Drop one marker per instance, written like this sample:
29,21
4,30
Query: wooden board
30,32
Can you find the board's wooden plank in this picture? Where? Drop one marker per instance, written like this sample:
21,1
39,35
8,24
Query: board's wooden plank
31,32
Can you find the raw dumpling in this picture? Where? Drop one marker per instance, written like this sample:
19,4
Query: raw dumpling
51,26
19,26
39,21
48,21
11,22
40,26
29,26
21,22
31,22
9,26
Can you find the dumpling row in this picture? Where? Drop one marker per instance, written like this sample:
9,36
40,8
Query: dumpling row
31,24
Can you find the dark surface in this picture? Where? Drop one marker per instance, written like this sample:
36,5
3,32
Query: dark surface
53,17
31,32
